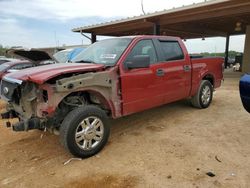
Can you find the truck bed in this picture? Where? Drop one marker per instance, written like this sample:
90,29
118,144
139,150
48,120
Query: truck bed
212,65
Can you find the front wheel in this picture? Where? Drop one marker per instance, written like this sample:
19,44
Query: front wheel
204,96
85,131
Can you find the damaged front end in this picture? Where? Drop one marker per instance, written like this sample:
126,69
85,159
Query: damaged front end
45,105
22,101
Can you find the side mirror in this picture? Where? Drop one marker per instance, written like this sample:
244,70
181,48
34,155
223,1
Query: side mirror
138,61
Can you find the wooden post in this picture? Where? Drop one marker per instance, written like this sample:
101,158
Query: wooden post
93,38
227,49
156,30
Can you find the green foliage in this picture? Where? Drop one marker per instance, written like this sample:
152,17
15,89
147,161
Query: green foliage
231,54
3,51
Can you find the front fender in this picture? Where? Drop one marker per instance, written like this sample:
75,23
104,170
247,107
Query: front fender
103,84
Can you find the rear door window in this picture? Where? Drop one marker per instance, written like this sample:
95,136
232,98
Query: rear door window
171,50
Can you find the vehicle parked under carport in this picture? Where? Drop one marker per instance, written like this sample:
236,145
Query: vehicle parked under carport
32,55
29,58
110,79
13,66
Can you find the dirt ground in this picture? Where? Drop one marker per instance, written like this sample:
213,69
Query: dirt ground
173,145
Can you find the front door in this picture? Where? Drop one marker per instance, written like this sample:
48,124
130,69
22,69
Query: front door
142,87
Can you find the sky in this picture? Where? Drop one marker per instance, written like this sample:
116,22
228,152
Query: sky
46,23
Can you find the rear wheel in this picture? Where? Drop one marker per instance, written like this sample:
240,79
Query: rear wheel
85,131
204,96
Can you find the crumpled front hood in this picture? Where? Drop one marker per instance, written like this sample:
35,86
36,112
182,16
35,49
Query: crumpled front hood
42,74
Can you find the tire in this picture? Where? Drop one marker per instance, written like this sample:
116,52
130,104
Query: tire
85,131
201,100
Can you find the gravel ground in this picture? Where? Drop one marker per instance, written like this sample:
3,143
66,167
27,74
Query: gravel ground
173,145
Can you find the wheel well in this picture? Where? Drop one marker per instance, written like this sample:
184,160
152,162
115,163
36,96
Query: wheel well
209,78
91,97
77,99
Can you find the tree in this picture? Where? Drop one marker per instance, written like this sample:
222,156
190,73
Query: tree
2,50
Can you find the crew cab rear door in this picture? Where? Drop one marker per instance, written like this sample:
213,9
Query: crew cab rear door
177,68
141,88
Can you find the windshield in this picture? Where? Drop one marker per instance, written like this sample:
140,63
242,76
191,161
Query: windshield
106,52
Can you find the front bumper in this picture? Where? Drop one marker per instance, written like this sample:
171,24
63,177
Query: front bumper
23,125
8,115
34,123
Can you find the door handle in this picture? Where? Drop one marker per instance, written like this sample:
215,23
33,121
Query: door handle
160,72
186,68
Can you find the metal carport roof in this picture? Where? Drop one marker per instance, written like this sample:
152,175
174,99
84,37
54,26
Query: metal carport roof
206,19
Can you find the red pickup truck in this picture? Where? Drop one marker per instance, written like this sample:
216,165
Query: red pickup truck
111,78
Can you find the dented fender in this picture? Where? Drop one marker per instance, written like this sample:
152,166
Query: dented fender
104,85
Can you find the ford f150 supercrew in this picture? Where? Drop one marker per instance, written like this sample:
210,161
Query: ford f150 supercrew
111,78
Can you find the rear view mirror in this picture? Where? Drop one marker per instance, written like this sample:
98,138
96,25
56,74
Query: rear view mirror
138,61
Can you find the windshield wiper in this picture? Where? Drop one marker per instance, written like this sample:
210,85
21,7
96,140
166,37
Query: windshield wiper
85,61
